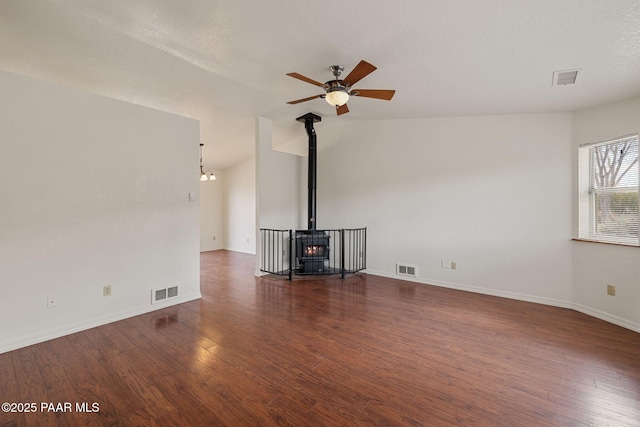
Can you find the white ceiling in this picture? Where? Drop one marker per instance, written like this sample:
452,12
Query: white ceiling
224,62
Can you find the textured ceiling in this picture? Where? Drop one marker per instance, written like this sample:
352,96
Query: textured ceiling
225,62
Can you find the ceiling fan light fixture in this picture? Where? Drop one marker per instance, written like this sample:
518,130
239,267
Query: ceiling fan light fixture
338,91
337,97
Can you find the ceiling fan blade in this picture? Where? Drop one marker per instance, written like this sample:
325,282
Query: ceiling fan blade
298,101
374,93
362,70
305,79
342,109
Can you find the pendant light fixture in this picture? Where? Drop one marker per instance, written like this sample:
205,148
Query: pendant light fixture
205,175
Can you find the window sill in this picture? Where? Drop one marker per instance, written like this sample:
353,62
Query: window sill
605,243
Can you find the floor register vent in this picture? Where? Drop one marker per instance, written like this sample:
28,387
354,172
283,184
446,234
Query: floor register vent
161,294
406,270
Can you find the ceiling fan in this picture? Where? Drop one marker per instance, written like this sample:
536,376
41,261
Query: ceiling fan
337,91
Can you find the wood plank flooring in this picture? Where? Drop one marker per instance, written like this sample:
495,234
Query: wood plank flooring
365,351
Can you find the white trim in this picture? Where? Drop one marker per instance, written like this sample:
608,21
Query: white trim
81,326
477,289
619,321
610,141
248,252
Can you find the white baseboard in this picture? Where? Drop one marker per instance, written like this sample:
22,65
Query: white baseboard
634,326
92,323
209,248
477,289
242,251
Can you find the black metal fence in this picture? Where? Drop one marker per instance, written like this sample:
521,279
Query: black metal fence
313,252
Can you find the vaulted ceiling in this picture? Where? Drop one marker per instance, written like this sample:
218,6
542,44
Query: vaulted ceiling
224,62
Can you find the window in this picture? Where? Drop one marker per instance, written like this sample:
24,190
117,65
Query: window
608,191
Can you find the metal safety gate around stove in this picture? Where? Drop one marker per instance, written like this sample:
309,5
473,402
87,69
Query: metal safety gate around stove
313,252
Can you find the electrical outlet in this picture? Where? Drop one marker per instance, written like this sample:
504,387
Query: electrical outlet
106,291
611,290
448,265
52,302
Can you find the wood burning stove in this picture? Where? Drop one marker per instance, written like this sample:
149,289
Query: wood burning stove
312,252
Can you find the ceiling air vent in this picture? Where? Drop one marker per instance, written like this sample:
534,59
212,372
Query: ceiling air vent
567,77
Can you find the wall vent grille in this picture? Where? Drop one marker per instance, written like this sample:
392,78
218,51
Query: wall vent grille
162,294
406,270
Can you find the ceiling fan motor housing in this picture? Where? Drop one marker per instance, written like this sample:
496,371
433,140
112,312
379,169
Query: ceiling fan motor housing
337,84
334,85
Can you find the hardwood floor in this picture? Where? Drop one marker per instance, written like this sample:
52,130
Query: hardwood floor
364,351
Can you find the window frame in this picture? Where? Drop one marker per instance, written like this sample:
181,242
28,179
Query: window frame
588,191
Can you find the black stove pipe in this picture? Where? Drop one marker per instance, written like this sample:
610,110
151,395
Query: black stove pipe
309,119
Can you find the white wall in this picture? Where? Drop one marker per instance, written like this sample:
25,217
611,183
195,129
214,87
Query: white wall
491,193
94,192
277,181
240,207
277,189
596,264
212,213
266,183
